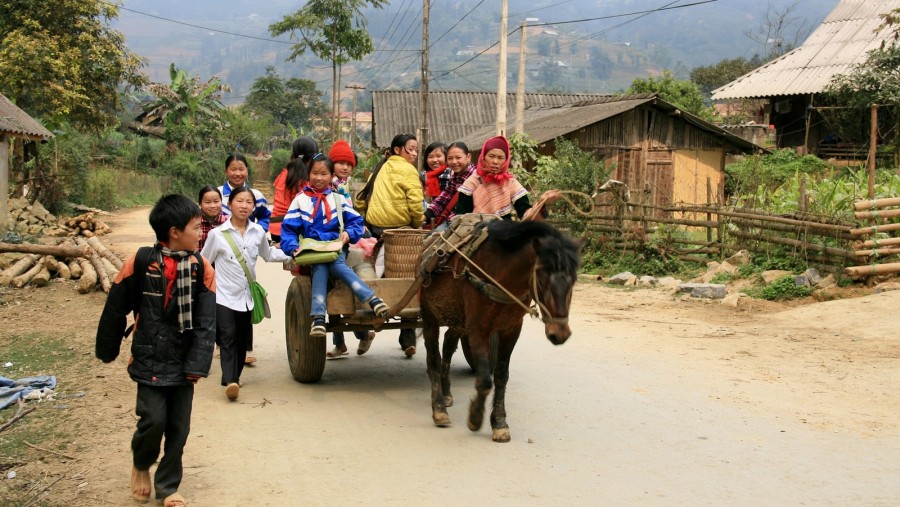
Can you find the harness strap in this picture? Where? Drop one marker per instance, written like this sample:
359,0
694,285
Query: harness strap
490,291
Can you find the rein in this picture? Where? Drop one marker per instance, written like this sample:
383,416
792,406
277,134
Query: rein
538,311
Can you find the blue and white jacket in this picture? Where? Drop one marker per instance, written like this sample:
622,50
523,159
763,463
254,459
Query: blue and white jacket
298,221
260,213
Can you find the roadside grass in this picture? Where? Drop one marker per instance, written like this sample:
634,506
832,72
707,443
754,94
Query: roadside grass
51,426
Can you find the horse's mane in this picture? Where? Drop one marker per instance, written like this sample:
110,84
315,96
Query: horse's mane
557,252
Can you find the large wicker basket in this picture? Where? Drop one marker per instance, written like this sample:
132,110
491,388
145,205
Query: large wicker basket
402,248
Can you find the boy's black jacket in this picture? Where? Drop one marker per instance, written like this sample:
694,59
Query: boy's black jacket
161,356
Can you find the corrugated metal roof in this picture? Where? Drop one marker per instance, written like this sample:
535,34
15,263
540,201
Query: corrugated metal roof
841,41
452,115
546,124
15,122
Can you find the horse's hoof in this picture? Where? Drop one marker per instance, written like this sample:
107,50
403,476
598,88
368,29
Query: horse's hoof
448,401
500,435
440,419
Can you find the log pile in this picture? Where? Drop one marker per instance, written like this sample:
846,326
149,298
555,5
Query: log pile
86,260
880,245
86,225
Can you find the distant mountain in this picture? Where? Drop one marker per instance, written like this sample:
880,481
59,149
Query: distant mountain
601,55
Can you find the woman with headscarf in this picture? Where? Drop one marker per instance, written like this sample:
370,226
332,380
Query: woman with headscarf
493,189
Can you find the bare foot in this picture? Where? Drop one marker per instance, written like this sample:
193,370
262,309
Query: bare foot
174,500
140,484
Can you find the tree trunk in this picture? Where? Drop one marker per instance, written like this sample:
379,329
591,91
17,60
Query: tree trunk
63,250
21,266
38,275
75,268
63,271
104,252
88,280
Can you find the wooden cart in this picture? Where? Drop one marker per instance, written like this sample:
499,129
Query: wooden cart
306,355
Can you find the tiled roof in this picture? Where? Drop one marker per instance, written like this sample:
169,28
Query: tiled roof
841,41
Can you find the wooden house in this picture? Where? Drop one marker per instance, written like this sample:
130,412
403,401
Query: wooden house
791,82
14,123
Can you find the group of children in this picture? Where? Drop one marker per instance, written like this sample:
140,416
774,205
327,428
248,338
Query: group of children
184,302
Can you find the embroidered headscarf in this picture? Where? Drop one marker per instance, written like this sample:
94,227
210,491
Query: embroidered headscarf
498,142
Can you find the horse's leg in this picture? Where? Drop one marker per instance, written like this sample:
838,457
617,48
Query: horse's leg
505,345
431,335
479,345
451,340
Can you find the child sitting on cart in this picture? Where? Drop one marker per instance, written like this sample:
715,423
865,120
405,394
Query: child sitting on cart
314,214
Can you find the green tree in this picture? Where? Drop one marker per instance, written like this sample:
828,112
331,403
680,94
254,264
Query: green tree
334,30
295,102
190,110
683,94
601,65
710,77
61,61
874,81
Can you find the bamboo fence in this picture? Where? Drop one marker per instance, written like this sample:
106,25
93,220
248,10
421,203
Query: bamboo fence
831,245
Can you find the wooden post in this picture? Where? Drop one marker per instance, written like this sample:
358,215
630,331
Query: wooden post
4,182
520,84
501,73
423,88
873,145
708,203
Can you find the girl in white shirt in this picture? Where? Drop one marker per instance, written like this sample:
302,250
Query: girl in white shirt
233,300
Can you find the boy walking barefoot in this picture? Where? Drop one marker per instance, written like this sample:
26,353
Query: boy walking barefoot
171,290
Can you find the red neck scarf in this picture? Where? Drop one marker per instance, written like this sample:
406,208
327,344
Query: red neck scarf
498,142
319,196
432,182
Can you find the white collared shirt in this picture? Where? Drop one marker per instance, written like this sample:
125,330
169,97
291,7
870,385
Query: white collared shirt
232,286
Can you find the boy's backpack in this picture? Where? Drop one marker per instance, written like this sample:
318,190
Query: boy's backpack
141,262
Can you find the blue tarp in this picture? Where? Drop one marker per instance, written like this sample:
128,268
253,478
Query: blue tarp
11,390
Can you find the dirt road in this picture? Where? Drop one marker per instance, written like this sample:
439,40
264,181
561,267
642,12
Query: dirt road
654,401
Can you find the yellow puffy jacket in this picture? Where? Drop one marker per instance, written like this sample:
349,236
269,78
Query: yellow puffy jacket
397,198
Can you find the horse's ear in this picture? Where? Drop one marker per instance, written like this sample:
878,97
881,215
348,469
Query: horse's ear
578,242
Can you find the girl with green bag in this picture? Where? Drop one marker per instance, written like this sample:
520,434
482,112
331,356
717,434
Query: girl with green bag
234,247
319,214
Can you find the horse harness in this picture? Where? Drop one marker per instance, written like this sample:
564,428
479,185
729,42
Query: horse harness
465,246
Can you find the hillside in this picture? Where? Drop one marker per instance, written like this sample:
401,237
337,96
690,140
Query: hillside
603,55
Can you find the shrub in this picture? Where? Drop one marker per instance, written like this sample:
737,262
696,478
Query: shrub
758,174
277,162
781,289
189,172
102,188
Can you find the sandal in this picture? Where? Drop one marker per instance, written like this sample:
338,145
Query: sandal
337,352
174,500
140,484
379,307
365,344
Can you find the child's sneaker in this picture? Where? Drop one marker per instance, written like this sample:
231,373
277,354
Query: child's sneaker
318,328
379,307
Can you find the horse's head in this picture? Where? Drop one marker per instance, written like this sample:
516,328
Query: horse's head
555,274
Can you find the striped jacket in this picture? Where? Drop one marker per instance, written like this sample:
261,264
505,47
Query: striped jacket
299,224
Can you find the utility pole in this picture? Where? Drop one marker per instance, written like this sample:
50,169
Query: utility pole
423,87
501,74
356,88
520,84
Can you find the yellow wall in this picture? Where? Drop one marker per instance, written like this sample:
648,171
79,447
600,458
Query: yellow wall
692,167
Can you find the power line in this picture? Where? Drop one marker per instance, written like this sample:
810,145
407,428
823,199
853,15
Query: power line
650,11
540,8
458,22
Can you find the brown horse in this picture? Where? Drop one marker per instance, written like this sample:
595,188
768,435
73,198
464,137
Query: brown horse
531,261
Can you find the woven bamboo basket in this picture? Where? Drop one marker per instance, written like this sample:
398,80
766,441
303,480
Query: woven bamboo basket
402,248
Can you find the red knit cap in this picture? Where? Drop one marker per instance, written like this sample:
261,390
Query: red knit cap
341,152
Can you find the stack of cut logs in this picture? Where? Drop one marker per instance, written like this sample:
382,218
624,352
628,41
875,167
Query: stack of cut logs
86,225
85,260
878,245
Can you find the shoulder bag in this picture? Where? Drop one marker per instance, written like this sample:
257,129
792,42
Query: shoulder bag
257,292
313,251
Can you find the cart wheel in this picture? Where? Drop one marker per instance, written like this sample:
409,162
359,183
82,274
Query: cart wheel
306,355
464,344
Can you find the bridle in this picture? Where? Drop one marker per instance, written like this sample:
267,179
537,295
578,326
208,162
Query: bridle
537,310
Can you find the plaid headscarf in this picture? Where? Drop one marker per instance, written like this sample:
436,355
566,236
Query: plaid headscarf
182,286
